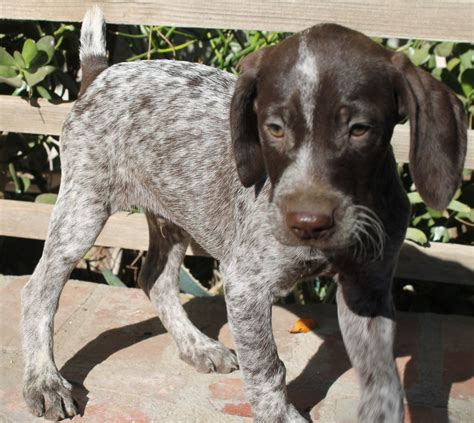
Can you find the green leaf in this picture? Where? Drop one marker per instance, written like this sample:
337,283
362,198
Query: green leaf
440,234
20,62
420,56
43,92
40,59
16,181
46,44
26,183
453,63
471,215
418,219
437,72
444,49
111,279
466,59
6,59
29,51
7,71
34,78
432,62
468,216
16,81
414,197
435,214
467,81
47,198
417,236
459,207
190,285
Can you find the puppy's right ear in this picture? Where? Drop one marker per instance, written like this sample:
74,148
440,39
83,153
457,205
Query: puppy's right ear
243,122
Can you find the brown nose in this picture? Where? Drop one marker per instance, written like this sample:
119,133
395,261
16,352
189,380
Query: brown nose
306,225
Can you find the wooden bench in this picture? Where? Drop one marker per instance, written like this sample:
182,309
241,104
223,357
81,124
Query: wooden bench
448,20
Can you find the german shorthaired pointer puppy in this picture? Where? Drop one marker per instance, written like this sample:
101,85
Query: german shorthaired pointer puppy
300,181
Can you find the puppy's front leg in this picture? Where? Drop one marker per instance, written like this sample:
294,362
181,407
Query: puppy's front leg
366,319
249,309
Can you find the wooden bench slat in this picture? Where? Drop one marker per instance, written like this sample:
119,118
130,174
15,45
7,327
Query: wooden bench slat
449,263
449,20
16,115
23,219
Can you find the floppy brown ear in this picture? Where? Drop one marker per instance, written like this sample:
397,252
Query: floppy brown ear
438,132
243,122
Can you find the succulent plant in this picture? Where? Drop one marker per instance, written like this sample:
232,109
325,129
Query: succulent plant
27,69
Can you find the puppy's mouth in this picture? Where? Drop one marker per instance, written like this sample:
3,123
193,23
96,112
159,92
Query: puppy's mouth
356,230
328,239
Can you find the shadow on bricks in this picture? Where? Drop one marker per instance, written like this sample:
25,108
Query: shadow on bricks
209,318
434,358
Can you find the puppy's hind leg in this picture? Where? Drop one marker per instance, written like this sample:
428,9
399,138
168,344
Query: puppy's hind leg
159,278
77,219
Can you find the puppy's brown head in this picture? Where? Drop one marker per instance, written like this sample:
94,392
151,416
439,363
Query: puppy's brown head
316,113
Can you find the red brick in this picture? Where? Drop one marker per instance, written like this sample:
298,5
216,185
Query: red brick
227,389
243,409
106,411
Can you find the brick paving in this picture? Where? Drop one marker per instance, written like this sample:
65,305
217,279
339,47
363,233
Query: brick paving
125,367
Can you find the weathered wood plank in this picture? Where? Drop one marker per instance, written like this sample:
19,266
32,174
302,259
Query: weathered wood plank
16,115
425,19
441,262
30,220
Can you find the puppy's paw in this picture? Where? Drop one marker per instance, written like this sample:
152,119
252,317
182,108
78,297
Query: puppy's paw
49,396
210,356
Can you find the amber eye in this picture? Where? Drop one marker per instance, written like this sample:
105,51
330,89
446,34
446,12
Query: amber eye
358,130
275,130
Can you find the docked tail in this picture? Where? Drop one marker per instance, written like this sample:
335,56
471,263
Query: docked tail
92,52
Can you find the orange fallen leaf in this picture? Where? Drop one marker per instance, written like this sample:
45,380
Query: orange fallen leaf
304,326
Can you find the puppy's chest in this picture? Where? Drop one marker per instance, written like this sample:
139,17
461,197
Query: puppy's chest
298,271
301,267
304,269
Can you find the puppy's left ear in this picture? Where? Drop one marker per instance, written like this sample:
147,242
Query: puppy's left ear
243,121
438,132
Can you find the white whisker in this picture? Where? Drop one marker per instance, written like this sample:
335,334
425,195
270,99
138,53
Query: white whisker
369,234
